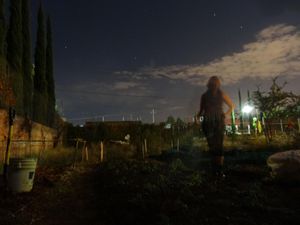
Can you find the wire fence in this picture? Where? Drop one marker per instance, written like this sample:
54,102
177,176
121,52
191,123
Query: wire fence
151,142
25,148
280,127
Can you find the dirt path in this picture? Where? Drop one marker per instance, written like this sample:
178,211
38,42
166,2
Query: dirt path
152,193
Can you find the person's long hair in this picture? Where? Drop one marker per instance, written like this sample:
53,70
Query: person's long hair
213,84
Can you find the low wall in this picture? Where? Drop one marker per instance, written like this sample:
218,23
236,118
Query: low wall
28,137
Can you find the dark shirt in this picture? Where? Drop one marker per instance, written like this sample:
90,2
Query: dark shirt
212,105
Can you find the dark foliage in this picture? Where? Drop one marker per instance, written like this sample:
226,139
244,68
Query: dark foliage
276,104
49,75
14,51
156,137
27,54
40,84
2,29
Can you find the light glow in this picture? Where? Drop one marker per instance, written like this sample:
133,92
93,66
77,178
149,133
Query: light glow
247,109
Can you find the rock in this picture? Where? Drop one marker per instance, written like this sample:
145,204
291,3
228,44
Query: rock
285,165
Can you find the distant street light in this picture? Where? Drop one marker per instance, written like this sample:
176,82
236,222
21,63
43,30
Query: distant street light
247,109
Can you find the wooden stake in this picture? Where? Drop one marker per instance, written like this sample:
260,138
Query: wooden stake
143,151
41,149
75,153
177,144
86,153
281,126
82,154
83,151
101,151
146,148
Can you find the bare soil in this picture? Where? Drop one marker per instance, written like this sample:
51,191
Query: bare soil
175,189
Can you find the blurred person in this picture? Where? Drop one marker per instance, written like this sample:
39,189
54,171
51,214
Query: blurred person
213,125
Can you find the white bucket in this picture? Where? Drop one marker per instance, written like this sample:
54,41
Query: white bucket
21,174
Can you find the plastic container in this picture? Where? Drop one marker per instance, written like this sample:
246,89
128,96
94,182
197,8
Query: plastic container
21,174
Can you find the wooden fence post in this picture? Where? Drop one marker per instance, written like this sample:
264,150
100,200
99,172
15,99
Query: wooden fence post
143,151
145,148
177,144
83,155
42,149
281,126
101,151
75,153
86,154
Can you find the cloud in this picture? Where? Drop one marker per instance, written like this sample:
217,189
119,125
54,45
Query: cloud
125,85
119,92
275,52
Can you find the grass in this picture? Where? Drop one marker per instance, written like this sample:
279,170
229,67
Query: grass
246,147
59,157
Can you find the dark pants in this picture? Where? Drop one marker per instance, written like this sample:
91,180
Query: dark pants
213,128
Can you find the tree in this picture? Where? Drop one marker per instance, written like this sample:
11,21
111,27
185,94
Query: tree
40,84
49,75
2,51
180,122
170,120
26,59
276,104
14,52
2,29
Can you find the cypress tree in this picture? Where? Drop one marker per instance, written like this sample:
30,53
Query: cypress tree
40,84
2,29
14,51
49,75
2,46
26,60
2,51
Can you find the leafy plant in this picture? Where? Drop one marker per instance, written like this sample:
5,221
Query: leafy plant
276,103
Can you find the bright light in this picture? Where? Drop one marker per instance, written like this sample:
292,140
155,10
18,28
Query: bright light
247,108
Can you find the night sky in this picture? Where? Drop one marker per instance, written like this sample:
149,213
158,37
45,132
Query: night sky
124,58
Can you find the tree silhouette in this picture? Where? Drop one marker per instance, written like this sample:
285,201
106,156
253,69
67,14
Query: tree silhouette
49,75
2,29
276,104
26,59
14,52
170,120
40,84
